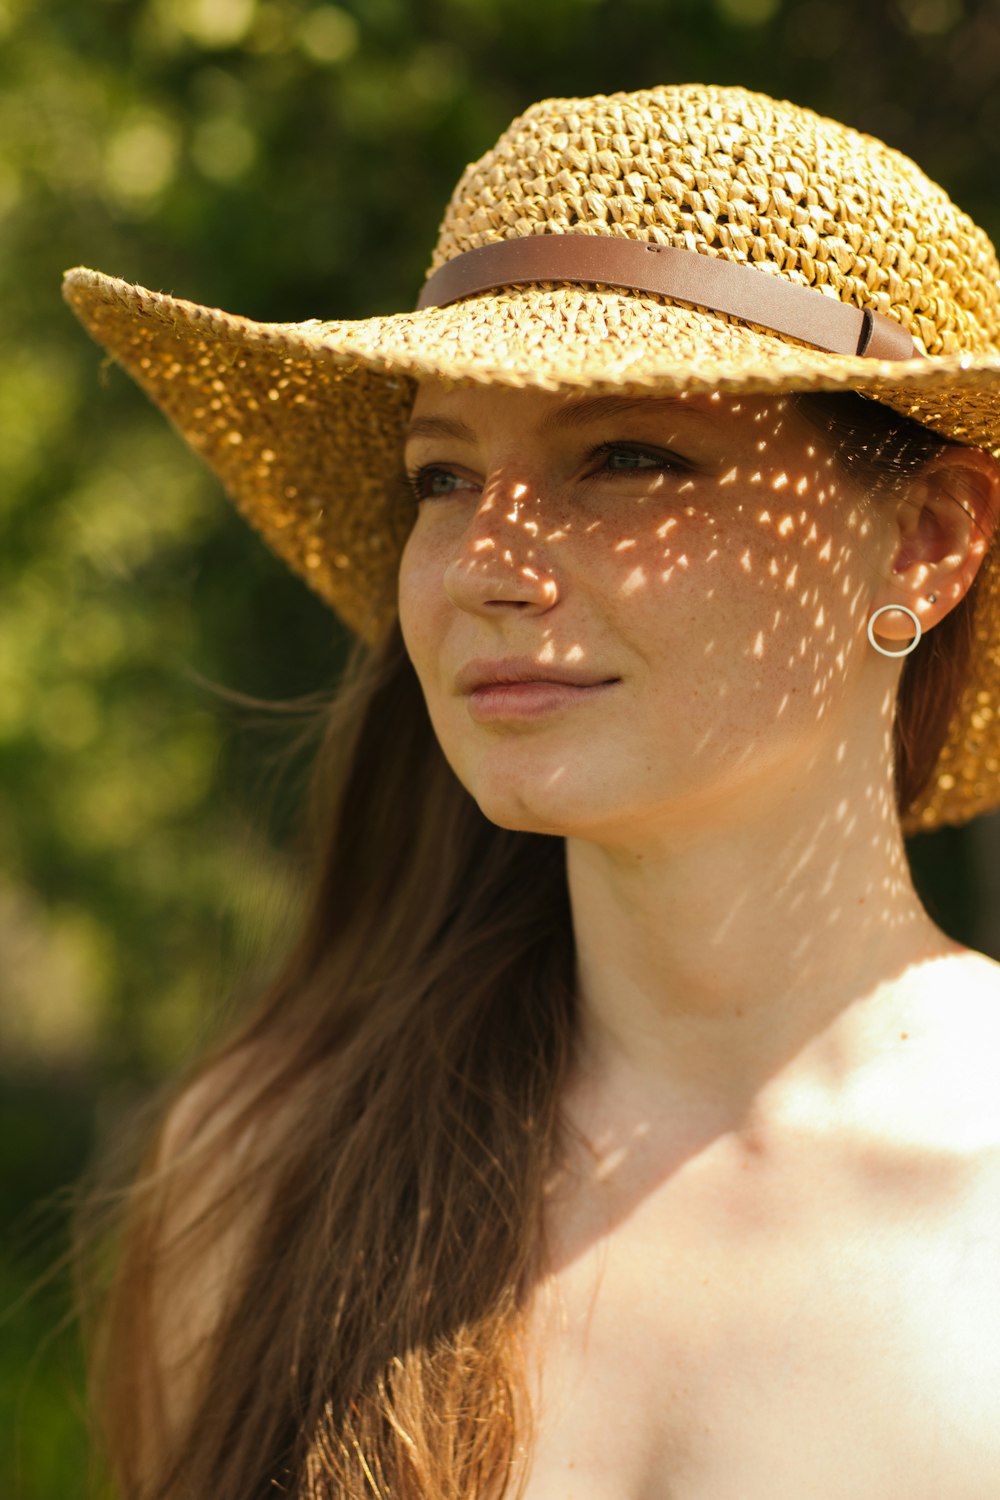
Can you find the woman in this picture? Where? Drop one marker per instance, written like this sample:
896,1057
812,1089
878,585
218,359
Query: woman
620,1125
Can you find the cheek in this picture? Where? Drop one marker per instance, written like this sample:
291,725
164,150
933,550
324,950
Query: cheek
416,597
759,603
424,619
419,595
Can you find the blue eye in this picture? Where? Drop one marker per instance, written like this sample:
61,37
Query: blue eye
433,481
422,483
659,461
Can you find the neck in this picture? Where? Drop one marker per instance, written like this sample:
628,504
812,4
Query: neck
722,967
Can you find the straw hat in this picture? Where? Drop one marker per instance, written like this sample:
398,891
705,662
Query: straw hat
678,238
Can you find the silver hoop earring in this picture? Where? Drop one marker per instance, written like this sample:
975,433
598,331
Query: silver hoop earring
909,645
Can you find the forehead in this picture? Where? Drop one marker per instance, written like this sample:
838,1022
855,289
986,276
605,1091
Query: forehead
458,411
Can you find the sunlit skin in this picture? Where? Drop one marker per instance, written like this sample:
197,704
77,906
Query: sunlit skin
785,1084
736,871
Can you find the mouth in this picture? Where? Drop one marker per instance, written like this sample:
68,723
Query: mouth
482,672
535,699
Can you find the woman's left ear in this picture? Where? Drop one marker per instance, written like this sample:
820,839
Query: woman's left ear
947,517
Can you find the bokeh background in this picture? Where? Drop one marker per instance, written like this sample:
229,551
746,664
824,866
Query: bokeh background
287,160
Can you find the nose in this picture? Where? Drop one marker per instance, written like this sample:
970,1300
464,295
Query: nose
501,559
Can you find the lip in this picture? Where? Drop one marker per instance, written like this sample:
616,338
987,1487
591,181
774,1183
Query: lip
530,700
484,672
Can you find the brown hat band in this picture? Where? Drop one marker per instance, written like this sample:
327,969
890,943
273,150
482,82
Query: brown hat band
708,281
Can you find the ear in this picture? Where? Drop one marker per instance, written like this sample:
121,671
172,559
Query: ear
946,516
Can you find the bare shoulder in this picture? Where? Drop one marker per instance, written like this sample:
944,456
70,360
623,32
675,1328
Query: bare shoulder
950,1046
980,967
966,987
210,1204
213,1144
208,1108
965,979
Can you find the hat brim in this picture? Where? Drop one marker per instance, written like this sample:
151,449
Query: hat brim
302,422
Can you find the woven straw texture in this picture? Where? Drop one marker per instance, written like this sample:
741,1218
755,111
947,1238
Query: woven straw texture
302,422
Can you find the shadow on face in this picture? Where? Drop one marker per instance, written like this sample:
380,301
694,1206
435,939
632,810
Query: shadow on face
707,554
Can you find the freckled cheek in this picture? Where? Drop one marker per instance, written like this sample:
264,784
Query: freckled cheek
743,588
671,556
423,606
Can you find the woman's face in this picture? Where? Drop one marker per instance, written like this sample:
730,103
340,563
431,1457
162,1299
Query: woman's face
705,558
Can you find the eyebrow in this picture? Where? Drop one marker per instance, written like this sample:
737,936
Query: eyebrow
576,414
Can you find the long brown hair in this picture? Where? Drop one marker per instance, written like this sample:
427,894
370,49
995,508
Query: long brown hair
376,1134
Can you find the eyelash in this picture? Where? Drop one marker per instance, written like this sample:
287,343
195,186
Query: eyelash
665,462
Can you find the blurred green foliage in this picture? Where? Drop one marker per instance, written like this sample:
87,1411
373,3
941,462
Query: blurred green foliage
286,160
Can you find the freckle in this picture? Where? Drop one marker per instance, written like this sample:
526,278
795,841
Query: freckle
904,1036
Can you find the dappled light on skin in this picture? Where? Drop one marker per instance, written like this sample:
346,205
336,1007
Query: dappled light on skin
724,780
665,542
811,484
518,493
765,1016
699,538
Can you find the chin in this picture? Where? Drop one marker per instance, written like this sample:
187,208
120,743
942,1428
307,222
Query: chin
529,804
521,784
519,819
